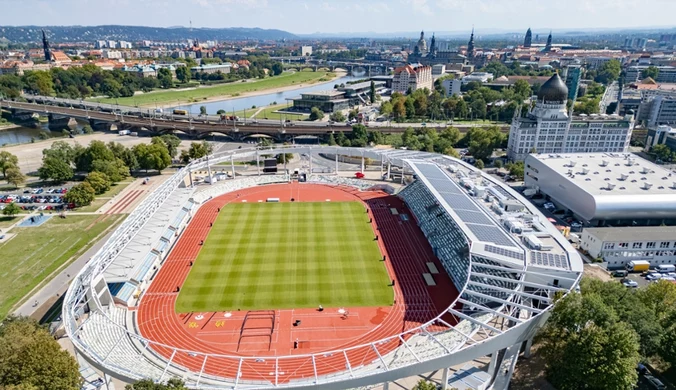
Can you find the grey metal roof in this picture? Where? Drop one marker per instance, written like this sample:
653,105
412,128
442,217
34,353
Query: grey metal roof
634,233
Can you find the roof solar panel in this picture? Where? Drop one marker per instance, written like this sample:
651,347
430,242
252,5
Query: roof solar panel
473,217
490,234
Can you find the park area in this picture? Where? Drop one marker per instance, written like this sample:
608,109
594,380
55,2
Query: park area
287,255
196,95
27,259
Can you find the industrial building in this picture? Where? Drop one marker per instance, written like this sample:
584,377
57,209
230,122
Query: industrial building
337,99
620,245
605,189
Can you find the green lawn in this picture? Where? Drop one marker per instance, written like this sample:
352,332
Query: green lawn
221,90
27,259
271,113
287,255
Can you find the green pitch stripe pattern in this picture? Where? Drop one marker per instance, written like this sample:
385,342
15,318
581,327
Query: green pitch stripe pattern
286,256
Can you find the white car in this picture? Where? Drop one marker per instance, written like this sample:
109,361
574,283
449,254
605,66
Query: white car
549,205
630,283
654,276
669,278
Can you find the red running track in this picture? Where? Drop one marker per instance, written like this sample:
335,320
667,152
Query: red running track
415,303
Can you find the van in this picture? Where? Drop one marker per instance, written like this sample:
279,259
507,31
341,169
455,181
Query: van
620,273
666,268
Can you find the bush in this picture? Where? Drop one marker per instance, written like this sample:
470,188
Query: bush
86,129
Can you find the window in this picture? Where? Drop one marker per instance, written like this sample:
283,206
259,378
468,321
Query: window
650,245
609,245
624,245
637,245
664,244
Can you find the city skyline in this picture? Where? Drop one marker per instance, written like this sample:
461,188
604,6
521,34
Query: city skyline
306,17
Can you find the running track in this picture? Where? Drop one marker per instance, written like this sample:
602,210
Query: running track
407,253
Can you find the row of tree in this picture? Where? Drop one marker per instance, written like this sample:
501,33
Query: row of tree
9,165
594,340
90,80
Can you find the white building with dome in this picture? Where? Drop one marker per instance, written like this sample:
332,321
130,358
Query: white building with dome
549,128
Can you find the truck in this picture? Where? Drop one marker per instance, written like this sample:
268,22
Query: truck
638,266
180,112
124,132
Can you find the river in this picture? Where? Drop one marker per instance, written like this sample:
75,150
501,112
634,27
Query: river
264,100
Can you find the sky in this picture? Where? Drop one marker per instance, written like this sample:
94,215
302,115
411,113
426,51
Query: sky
309,16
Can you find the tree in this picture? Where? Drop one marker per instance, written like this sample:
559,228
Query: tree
82,194
651,71
203,110
11,209
14,176
31,358
87,129
479,164
337,116
372,92
522,90
516,169
450,134
55,169
60,150
585,345
424,385
153,156
662,152
38,83
277,68
198,150
284,157
172,143
164,76
7,160
220,112
99,182
332,139
97,150
149,384
316,114
609,72
497,163
483,141
183,74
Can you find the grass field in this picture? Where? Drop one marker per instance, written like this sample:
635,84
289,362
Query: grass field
27,259
222,90
287,255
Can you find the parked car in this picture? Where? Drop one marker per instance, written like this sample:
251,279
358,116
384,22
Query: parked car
549,206
655,383
620,273
630,283
654,276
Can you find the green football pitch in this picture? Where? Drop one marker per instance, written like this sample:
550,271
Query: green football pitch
262,256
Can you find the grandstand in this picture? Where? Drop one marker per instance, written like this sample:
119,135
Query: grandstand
504,258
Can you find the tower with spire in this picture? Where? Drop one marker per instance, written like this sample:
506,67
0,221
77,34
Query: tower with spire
548,46
470,44
433,46
45,47
529,38
422,44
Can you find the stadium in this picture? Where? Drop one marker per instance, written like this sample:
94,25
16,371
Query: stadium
316,280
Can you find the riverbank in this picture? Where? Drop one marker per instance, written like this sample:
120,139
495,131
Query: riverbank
221,92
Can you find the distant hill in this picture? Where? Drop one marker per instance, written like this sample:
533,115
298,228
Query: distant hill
23,34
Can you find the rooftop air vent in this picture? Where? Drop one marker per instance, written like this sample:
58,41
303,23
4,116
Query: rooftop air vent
623,188
623,177
630,162
673,185
610,186
606,179
633,181
585,171
647,186
660,187
609,170
571,163
584,165
645,170
617,165
604,163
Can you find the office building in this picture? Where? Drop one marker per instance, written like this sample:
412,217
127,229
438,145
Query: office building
573,76
605,189
550,128
335,100
617,246
452,86
124,45
438,69
306,51
481,77
412,77
661,135
666,74
659,110
211,68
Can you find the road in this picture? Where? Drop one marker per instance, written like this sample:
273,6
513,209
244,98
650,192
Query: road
611,95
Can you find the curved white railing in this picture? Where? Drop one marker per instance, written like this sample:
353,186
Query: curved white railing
441,349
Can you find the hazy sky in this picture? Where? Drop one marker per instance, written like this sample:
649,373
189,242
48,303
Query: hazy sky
308,16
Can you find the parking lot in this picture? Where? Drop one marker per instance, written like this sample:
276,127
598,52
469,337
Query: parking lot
43,198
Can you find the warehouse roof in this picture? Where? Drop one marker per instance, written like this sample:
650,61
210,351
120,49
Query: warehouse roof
634,233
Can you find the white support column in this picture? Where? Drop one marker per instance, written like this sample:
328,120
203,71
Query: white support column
211,179
232,164
493,365
336,161
362,163
258,166
403,167
108,380
529,344
284,158
444,378
386,386
310,154
381,166
389,170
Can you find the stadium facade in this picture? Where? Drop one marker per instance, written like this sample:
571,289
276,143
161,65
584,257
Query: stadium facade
504,257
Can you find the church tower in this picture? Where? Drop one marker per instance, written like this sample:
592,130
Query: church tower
470,45
529,39
45,47
548,46
422,44
433,46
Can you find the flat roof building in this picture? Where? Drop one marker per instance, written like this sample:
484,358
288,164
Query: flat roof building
211,68
620,245
619,189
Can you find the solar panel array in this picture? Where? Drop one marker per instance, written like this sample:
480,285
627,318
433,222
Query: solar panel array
505,252
549,260
467,210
